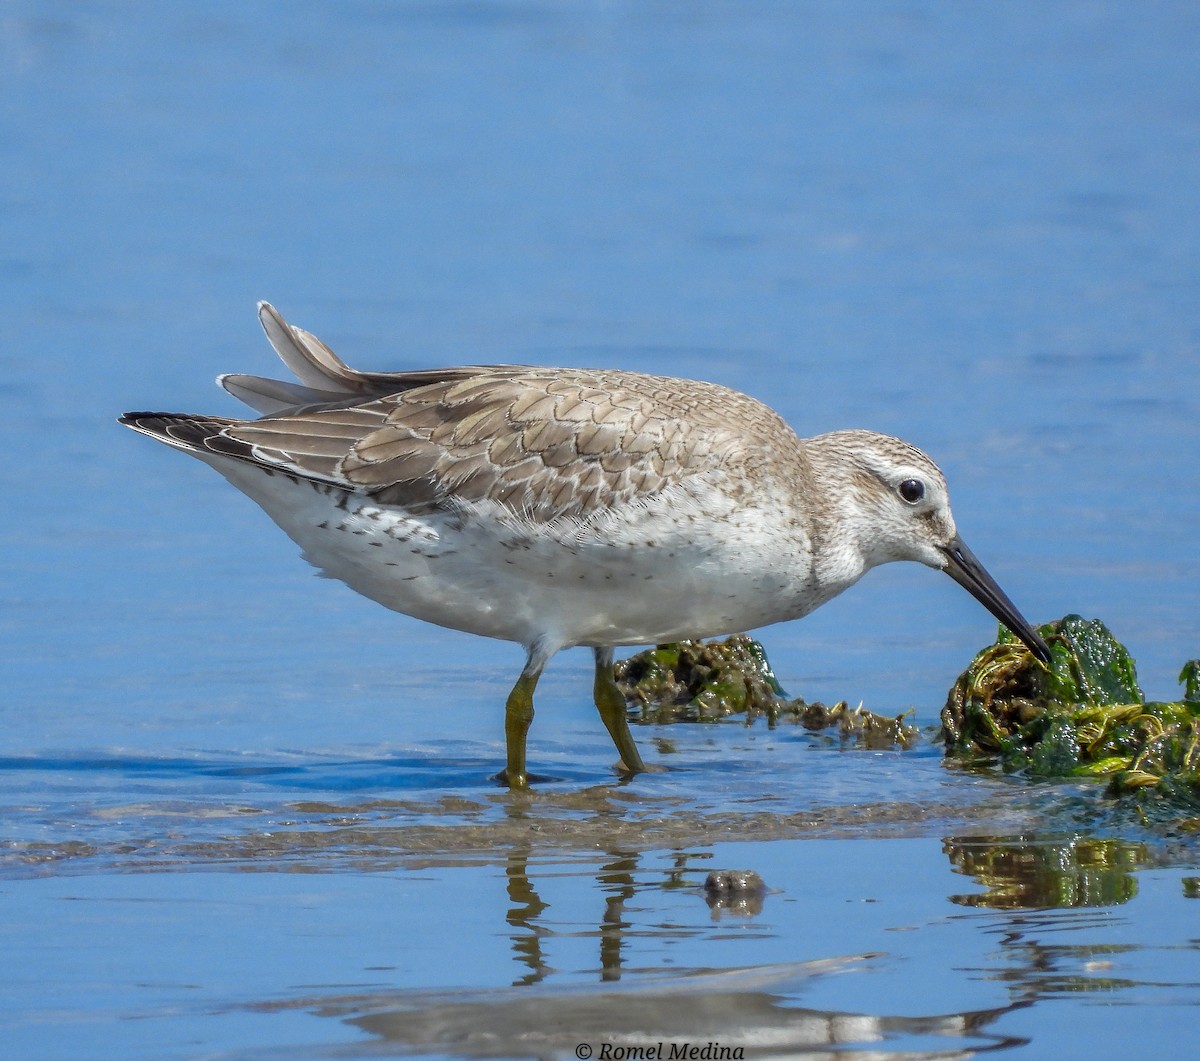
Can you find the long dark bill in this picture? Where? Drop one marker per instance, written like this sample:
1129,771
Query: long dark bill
969,573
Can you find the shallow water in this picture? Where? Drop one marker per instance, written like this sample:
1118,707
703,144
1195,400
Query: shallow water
246,814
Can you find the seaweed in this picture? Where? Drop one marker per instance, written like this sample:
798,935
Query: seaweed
704,681
1082,715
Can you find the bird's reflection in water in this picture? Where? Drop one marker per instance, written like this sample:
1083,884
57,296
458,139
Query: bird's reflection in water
745,1012
1032,885
527,906
617,879
617,885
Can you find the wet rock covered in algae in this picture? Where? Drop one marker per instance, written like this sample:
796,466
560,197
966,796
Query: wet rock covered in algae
703,681
1083,715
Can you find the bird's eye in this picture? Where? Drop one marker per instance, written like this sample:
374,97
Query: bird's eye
912,490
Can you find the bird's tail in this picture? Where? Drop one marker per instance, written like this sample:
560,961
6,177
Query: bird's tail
324,377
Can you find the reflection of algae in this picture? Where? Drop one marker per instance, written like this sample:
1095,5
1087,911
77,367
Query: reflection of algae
1023,875
703,681
1084,715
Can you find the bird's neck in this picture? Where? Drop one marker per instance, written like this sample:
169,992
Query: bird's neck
843,543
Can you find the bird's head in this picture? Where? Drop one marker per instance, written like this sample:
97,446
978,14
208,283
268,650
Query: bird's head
896,506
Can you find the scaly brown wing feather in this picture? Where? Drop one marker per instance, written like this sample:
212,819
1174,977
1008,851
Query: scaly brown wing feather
545,443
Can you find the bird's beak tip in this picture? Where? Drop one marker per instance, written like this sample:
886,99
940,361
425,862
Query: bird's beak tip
1039,650
963,566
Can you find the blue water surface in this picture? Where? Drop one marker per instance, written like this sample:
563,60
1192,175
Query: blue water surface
240,804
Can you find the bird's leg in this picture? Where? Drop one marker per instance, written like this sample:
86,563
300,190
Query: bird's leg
518,714
610,702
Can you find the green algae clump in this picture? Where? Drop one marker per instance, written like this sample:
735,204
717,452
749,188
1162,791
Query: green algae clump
703,681
700,681
1083,715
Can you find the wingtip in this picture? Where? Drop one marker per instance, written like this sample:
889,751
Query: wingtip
135,418
143,422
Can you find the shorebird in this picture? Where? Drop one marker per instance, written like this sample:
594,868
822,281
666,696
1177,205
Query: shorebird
561,507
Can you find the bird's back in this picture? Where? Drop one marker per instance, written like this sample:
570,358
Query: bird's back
544,443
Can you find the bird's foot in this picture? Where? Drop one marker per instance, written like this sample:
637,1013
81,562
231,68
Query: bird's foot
514,781
642,768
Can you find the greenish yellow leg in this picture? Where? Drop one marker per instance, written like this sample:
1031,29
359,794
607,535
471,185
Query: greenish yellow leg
518,714
611,704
